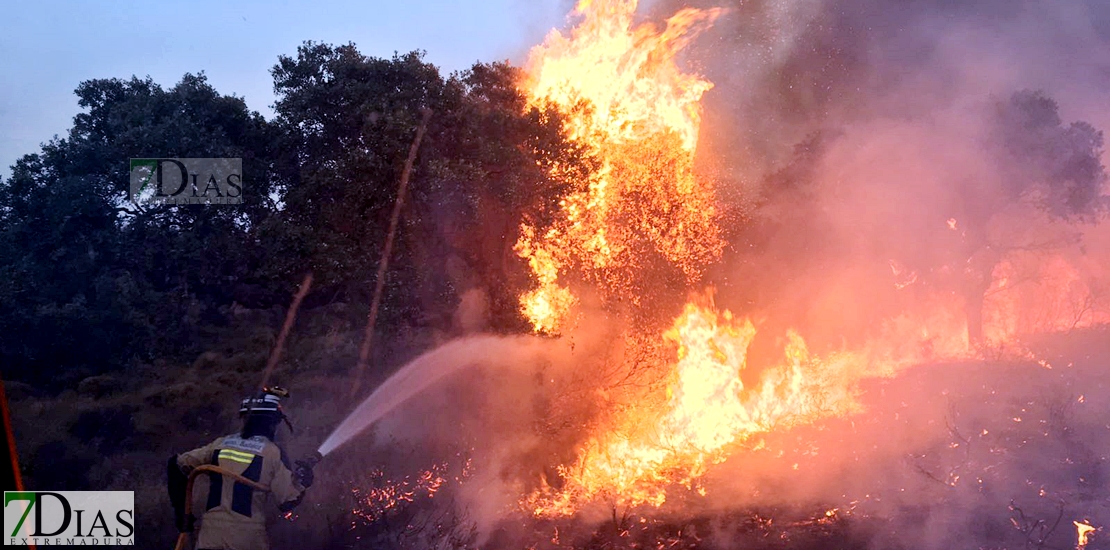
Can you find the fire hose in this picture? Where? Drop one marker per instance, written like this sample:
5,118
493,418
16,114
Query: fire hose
183,537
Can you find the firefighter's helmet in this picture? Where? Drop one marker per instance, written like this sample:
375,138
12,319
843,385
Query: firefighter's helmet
266,403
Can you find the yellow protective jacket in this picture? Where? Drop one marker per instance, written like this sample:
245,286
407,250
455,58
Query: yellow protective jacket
232,516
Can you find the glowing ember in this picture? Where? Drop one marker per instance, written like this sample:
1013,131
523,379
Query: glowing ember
1084,531
903,276
385,495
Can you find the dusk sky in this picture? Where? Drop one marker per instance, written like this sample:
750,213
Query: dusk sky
50,46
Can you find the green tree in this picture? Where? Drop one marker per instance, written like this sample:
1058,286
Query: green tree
348,121
91,279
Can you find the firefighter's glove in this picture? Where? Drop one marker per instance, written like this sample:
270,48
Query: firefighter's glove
303,473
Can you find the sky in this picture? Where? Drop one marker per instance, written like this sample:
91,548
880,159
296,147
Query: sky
48,47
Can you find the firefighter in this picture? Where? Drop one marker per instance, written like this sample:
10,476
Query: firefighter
231,514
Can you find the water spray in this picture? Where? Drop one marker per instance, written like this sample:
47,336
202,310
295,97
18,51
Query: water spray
427,370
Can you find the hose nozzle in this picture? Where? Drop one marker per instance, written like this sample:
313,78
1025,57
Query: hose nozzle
303,470
313,459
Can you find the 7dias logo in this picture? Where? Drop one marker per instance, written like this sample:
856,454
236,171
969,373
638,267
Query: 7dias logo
69,518
186,181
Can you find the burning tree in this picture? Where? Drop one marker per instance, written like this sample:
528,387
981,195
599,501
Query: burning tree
637,236
348,120
1046,169
630,239
643,220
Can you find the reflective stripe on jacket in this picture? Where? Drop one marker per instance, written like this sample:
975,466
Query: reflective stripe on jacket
232,516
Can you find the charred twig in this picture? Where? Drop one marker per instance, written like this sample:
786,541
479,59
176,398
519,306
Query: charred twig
1088,306
930,475
952,474
966,441
1037,531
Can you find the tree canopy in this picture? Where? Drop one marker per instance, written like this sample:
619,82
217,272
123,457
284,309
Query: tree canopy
91,281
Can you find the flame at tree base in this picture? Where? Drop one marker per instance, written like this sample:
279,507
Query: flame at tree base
706,413
644,216
644,224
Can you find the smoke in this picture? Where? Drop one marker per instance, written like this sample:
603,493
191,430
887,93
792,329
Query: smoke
498,413
786,68
472,314
946,456
849,132
881,177
865,149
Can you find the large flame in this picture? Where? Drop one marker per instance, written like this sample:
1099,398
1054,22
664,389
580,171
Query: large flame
707,411
646,216
632,107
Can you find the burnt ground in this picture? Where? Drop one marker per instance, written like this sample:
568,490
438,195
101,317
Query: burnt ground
977,454
983,454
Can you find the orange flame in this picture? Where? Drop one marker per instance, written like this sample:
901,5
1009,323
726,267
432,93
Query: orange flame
637,112
1083,532
707,411
630,105
645,209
